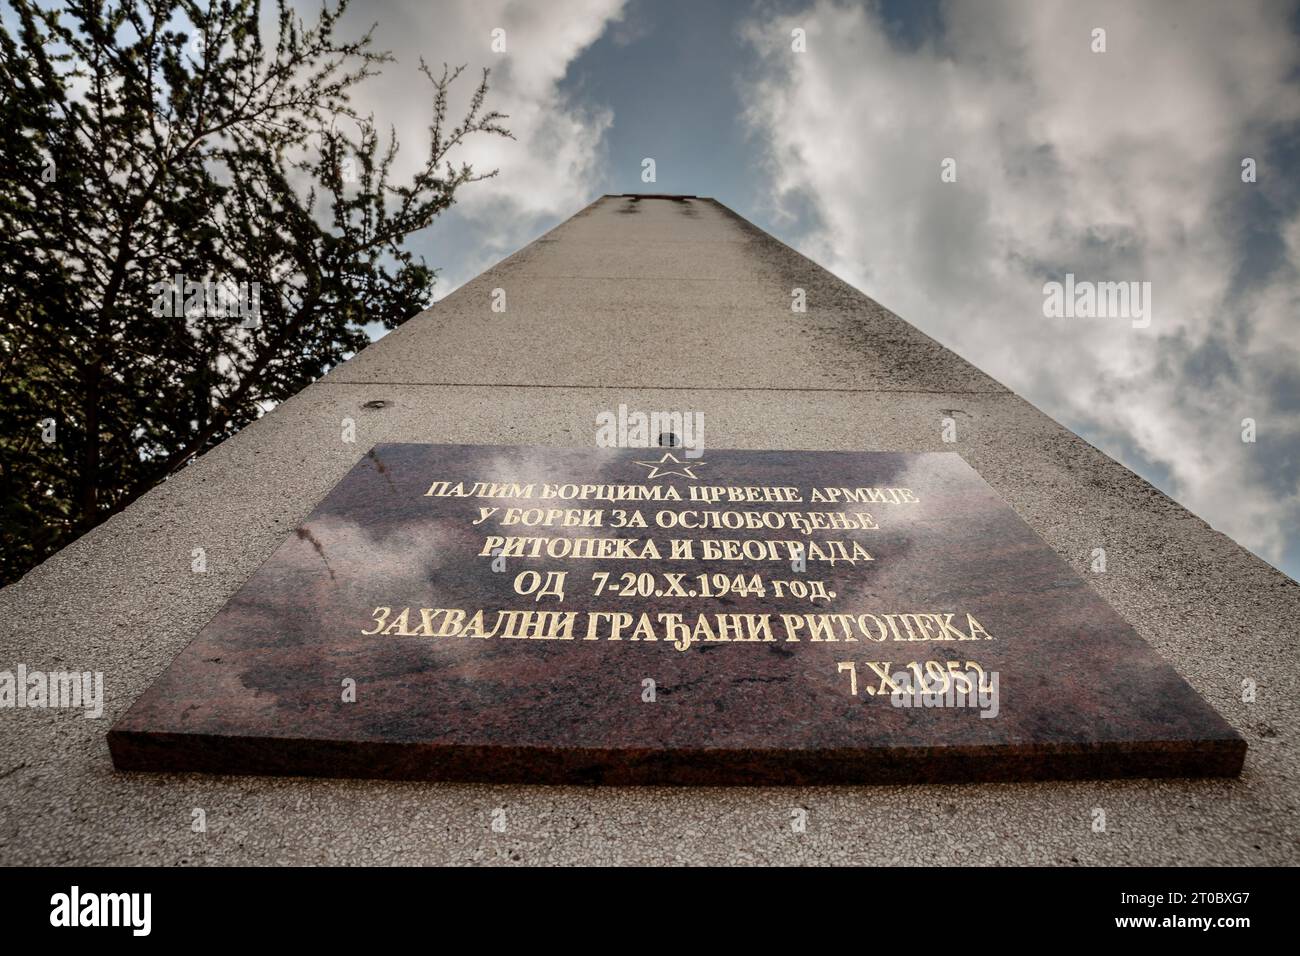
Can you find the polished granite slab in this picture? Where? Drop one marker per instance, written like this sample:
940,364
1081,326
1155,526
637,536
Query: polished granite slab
648,615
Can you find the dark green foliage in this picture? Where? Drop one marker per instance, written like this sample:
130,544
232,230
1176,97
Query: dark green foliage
141,140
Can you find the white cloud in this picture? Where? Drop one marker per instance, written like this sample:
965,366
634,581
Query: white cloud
552,167
1123,165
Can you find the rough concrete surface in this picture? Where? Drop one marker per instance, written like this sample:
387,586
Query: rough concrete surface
659,304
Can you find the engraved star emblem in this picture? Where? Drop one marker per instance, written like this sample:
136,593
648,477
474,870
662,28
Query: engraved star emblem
658,469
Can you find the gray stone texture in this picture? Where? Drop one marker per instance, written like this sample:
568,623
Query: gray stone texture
659,304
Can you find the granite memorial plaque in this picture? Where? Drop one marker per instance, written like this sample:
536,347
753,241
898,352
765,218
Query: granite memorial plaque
547,615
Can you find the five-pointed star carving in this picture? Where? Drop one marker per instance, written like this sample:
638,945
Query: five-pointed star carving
683,469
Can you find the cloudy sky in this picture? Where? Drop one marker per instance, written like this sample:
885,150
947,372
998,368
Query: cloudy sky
1119,165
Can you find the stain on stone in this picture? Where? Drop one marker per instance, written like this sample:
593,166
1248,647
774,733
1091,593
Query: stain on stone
304,534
